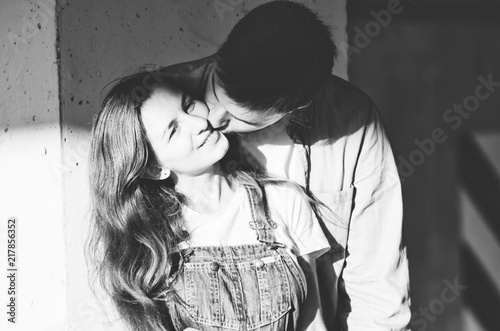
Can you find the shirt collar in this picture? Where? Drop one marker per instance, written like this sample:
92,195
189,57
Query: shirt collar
303,116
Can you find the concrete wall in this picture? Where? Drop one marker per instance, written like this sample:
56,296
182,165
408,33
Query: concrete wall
102,40
30,158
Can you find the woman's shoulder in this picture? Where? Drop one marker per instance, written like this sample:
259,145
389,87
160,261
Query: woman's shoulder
287,199
285,191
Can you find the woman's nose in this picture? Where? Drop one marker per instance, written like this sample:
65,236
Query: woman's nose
196,124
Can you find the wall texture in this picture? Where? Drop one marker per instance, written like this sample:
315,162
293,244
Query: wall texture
103,40
30,148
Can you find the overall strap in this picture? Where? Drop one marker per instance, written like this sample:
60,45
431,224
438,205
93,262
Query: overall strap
262,226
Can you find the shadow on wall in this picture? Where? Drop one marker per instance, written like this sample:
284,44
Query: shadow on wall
433,71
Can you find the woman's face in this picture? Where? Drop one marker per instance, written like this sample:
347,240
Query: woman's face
180,134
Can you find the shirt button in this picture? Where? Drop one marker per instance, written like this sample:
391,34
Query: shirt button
259,264
214,266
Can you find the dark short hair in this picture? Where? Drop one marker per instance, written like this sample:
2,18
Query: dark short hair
276,57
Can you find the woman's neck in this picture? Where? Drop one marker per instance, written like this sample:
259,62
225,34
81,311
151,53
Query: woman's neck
206,193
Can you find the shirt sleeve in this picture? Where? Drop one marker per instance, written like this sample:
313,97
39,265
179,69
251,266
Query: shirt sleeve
374,286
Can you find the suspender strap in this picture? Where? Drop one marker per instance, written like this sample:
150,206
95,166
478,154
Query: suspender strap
263,226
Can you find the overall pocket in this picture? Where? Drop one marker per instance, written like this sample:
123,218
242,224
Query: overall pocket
255,292
204,295
267,289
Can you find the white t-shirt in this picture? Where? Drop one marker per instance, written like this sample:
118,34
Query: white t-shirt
297,228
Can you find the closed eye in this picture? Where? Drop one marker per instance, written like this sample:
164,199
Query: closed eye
174,130
187,104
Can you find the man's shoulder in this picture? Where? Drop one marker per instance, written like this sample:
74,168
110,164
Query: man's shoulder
336,84
341,109
343,97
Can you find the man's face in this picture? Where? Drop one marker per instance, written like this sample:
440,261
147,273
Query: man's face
227,116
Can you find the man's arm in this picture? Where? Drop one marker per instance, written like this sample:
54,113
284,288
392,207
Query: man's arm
190,77
374,285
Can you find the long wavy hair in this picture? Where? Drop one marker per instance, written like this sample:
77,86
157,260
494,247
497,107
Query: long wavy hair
136,223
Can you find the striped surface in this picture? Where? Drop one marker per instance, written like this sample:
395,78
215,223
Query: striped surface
479,197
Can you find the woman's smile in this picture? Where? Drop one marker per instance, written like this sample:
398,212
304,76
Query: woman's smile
213,136
180,135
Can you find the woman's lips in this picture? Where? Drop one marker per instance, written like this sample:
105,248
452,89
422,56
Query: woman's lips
209,138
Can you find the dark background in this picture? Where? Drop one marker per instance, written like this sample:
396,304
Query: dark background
426,59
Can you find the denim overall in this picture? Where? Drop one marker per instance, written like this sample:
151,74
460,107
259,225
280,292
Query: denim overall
243,287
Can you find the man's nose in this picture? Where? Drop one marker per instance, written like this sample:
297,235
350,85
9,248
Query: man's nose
218,118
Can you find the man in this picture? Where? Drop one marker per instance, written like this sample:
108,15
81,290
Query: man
271,82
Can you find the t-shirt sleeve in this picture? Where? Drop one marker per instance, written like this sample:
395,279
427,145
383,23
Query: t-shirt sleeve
301,223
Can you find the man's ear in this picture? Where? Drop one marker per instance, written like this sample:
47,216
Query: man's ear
155,172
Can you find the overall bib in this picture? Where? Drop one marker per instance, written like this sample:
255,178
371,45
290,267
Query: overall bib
243,287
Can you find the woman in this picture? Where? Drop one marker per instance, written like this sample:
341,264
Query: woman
183,240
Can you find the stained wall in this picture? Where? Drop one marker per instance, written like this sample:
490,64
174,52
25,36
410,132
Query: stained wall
31,183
